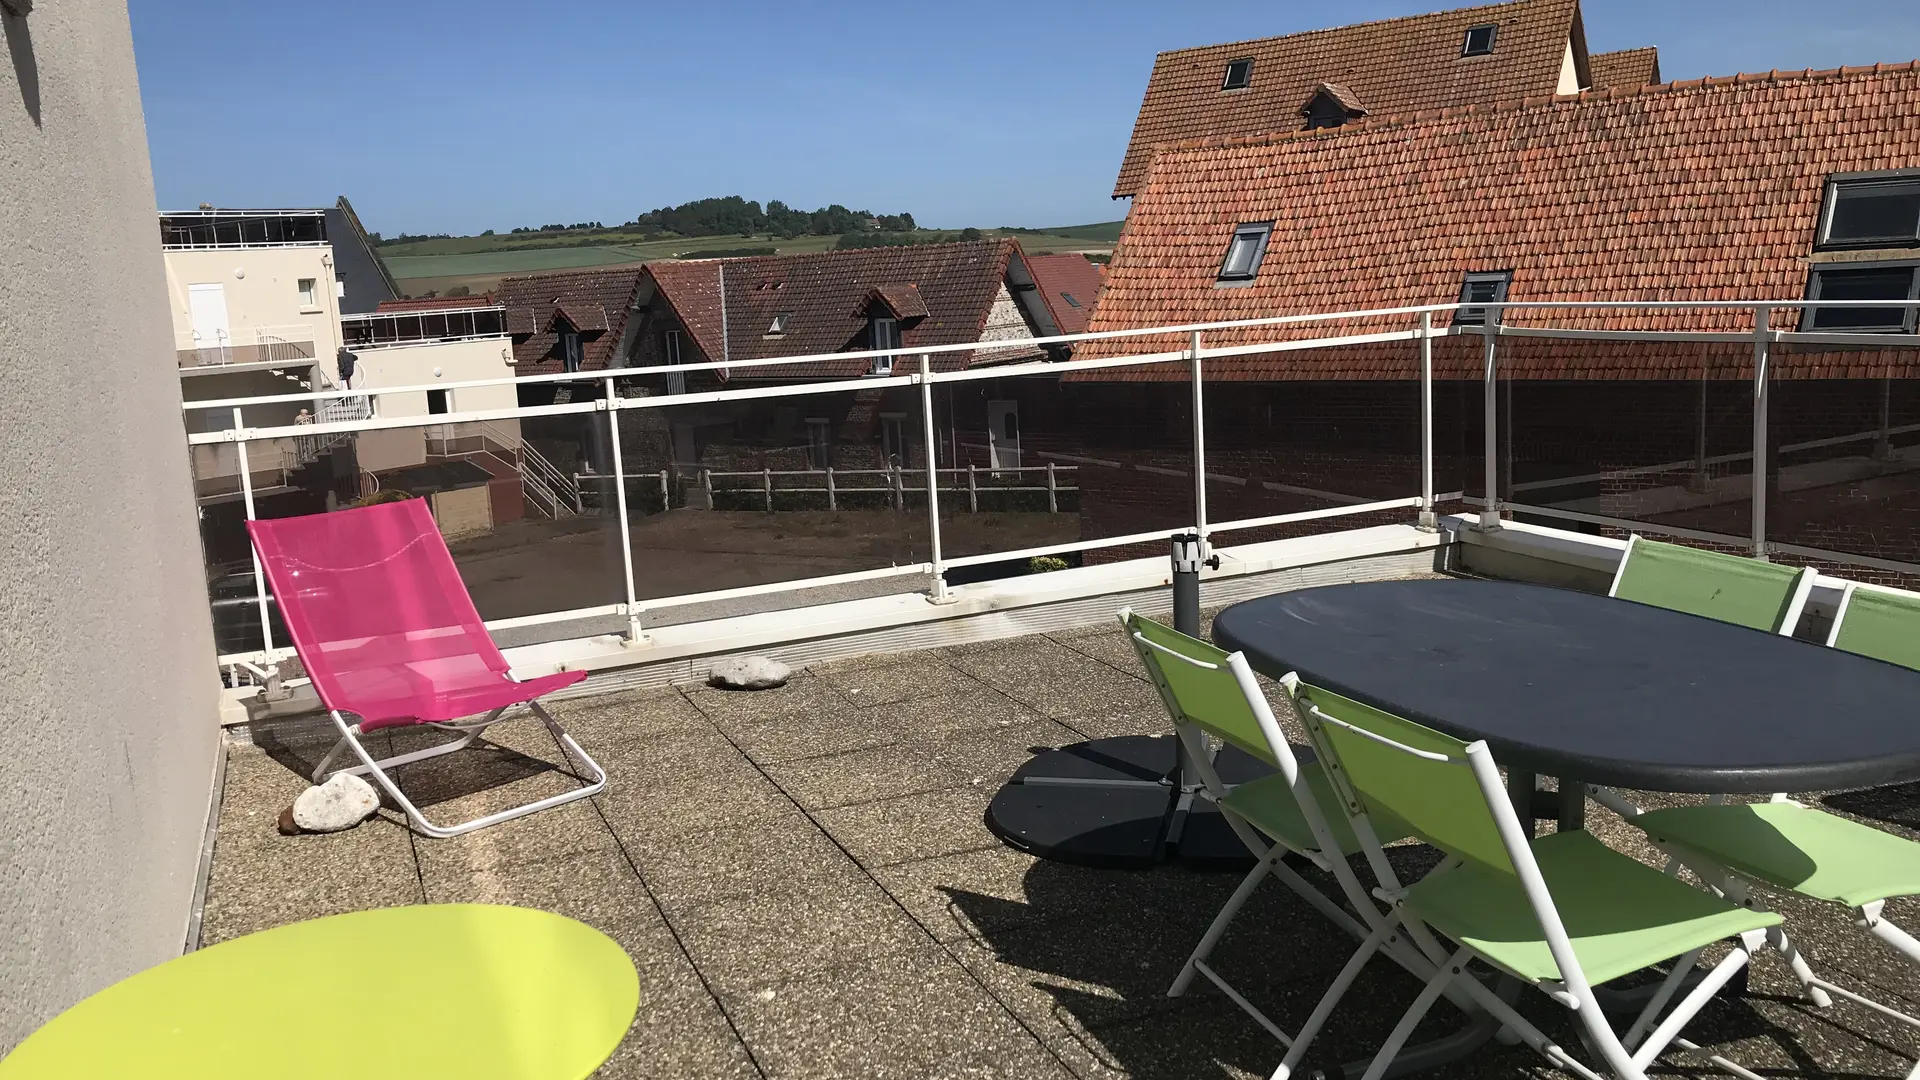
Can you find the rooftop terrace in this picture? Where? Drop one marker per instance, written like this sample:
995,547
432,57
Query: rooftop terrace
803,878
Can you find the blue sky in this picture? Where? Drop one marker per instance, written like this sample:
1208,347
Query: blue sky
455,117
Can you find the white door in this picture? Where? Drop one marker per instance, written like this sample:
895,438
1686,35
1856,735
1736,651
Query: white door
208,306
1003,435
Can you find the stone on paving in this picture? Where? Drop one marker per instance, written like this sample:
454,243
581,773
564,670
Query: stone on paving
909,1014
341,803
804,696
748,673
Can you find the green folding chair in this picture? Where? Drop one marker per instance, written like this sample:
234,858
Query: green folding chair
1560,913
1786,846
1208,692
1745,592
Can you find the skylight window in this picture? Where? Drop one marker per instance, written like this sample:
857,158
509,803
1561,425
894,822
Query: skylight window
1239,74
780,323
1486,288
1851,281
1244,252
1872,212
1479,40
1071,301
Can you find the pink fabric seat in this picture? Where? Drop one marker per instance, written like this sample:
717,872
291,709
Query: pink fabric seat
381,619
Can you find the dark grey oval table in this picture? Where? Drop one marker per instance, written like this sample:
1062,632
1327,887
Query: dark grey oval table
1593,689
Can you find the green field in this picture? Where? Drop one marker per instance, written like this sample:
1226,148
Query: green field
479,262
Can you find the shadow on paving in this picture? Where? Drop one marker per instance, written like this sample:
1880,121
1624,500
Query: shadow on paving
1088,956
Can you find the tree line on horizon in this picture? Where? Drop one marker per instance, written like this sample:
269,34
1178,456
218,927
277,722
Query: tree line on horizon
733,215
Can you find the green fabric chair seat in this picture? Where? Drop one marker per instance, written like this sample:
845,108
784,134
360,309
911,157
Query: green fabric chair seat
1269,803
1794,847
1621,915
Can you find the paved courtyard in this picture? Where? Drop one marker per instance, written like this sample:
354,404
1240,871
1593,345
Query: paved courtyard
804,880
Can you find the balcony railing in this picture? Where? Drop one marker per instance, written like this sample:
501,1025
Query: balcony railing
208,229
250,345
1721,427
384,328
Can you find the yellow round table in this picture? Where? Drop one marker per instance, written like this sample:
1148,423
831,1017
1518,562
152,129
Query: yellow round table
473,991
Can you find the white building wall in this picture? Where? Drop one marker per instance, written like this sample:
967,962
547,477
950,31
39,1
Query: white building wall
109,702
262,287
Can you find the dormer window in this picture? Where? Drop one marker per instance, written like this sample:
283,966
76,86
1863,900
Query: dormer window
886,336
571,351
1239,74
1479,40
779,324
1244,252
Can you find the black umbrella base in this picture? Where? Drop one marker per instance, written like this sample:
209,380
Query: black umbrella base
1116,803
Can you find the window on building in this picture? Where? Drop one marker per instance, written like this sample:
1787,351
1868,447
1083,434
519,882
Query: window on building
439,401
670,353
780,323
1244,251
893,437
572,353
1851,281
1487,288
1324,112
1872,212
1479,40
886,335
1070,299
1239,74
819,443
309,292
339,286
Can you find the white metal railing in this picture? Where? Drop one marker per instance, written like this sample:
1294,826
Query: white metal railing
292,344
1419,332
894,485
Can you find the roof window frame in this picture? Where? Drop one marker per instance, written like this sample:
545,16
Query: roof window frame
1478,316
1910,316
1246,74
1466,40
1261,233
1830,204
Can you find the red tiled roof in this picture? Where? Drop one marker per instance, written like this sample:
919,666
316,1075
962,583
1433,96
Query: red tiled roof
435,303
596,302
1705,190
1626,68
825,295
1390,66
1069,284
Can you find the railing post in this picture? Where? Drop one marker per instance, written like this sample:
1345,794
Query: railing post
246,496
1199,445
706,485
833,501
766,485
939,576
894,486
1053,492
1883,444
635,634
666,498
1762,340
1429,517
973,489
1490,510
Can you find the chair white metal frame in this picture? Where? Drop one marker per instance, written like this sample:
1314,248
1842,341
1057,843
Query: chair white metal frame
1563,978
1204,675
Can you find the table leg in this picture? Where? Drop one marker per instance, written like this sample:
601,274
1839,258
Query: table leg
1573,805
1520,787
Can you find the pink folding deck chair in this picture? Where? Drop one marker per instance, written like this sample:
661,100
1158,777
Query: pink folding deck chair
387,632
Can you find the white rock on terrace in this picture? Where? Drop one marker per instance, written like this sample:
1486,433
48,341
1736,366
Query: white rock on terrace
748,673
340,803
